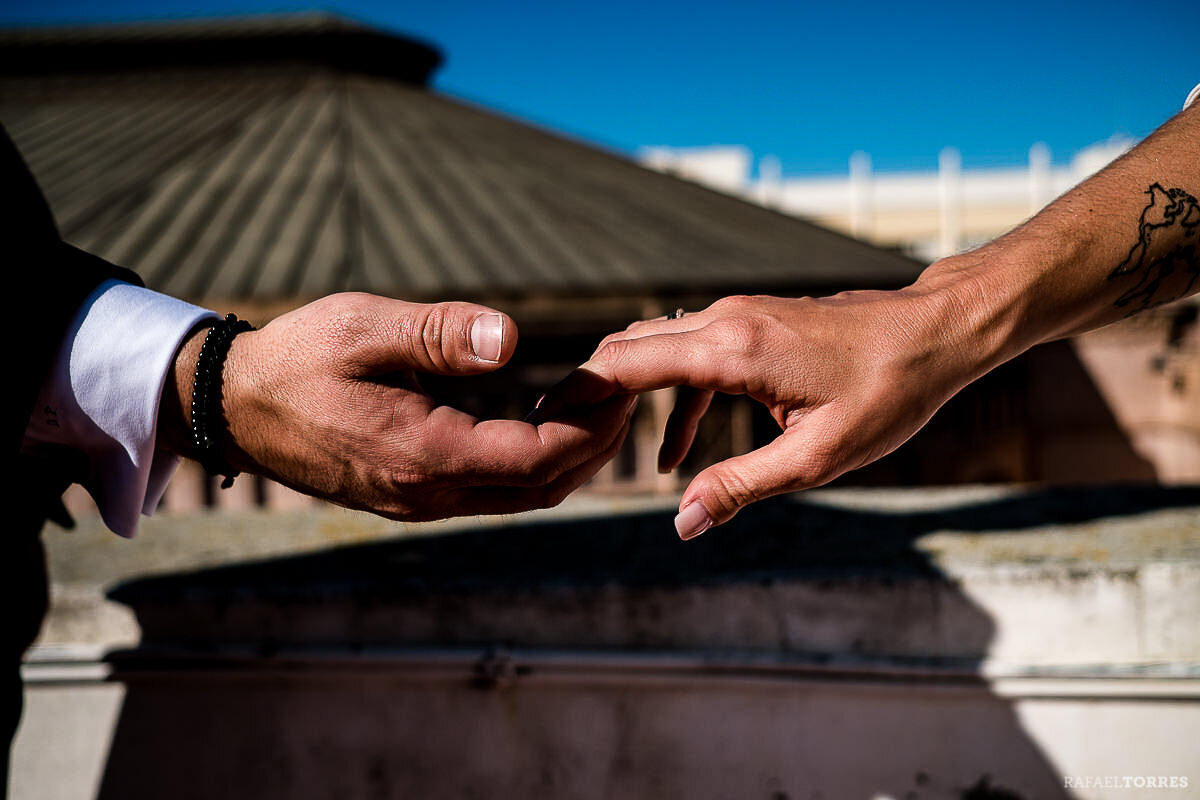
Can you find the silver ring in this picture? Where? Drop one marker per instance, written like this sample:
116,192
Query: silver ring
676,314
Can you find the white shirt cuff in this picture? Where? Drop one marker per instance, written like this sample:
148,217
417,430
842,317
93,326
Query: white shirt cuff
102,396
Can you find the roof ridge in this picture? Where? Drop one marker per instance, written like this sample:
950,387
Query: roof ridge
316,36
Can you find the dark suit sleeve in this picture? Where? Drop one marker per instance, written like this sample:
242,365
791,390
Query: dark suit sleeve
47,281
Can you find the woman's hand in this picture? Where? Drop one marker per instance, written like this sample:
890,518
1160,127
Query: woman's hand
849,378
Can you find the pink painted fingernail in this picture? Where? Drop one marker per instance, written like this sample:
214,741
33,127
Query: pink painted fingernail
692,521
487,337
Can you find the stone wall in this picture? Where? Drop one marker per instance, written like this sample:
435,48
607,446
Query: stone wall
975,643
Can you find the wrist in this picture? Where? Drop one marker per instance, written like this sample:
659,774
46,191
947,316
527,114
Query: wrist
977,307
174,410
239,396
195,406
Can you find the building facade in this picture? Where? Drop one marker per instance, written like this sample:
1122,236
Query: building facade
925,214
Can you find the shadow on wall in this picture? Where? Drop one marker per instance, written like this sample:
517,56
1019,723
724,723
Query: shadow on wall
803,650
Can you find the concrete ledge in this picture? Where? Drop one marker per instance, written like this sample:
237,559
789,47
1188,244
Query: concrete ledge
1024,578
981,643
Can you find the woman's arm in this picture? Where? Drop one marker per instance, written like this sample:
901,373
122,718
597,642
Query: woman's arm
851,377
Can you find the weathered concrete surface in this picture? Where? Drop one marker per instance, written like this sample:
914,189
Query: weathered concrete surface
1064,577
848,644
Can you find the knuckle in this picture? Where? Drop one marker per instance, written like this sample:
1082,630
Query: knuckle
423,334
734,302
610,355
609,340
346,325
742,329
343,331
819,465
742,338
824,467
431,338
732,491
616,350
395,483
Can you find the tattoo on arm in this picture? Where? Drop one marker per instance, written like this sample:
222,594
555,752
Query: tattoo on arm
1170,213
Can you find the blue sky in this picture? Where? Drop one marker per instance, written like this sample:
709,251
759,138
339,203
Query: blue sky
810,83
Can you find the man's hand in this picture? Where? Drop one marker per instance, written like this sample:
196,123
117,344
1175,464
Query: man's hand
326,399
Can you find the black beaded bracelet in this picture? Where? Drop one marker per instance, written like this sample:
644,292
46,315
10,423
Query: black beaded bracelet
208,418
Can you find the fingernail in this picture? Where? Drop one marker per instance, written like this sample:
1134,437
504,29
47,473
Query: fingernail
692,521
487,337
535,412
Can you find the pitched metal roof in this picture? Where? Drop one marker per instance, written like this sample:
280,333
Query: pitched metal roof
286,176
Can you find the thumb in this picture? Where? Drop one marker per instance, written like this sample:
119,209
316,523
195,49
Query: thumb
719,492
455,338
